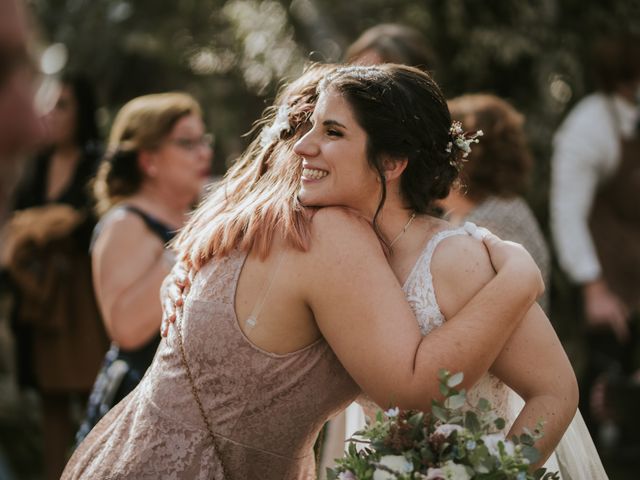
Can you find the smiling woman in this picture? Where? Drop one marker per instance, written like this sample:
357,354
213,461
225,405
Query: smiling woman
292,306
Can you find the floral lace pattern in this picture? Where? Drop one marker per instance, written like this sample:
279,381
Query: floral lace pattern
421,295
264,409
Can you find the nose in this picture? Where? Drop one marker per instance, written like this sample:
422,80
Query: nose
306,146
205,152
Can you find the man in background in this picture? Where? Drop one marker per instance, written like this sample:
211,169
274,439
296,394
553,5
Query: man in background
595,216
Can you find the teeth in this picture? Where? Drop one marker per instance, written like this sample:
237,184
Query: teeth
314,174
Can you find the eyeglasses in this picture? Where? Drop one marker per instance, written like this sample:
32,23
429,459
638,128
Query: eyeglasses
191,145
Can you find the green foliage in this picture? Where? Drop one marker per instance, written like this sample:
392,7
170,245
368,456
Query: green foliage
455,437
232,54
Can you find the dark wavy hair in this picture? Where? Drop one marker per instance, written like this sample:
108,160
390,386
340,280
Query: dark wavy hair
87,133
404,115
501,163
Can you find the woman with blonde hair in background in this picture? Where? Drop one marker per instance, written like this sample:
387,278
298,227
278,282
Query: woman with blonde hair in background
158,160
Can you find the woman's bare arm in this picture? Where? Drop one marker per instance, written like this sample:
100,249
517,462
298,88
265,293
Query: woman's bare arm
532,361
128,269
362,312
534,364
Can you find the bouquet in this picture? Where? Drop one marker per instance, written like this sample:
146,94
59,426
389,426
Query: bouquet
455,441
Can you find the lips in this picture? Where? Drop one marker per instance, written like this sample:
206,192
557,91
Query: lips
314,173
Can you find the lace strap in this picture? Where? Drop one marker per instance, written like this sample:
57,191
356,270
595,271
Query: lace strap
424,260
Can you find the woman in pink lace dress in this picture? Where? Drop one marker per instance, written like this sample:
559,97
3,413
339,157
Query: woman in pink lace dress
292,310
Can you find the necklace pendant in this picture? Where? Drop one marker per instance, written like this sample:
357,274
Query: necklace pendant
251,322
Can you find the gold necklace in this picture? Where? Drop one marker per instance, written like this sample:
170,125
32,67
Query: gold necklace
404,229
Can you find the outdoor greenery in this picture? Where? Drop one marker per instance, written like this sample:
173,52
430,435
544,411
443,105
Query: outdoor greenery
233,54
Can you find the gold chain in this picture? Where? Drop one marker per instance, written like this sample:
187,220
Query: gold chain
404,229
197,398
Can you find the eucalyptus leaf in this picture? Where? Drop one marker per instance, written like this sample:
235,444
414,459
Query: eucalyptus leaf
471,422
439,413
483,405
530,453
455,380
455,402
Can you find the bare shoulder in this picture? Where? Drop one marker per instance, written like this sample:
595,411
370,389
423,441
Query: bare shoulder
341,243
124,231
460,267
333,227
329,219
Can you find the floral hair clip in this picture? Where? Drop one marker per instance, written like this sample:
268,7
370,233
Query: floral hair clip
462,140
281,124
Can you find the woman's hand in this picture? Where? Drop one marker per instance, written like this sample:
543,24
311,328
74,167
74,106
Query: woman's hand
513,259
175,288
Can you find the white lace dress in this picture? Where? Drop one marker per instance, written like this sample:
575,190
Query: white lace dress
576,457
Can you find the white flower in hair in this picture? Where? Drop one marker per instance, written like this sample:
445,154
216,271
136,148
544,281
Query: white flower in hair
462,140
281,124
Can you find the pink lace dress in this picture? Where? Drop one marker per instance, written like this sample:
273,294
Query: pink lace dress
265,410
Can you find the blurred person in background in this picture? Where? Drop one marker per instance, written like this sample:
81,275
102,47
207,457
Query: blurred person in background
595,215
20,127
20,130
391,43
59,335
158,159
494,177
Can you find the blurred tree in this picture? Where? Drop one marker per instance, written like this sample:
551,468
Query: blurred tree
233,54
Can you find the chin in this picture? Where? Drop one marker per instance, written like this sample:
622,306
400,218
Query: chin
307,199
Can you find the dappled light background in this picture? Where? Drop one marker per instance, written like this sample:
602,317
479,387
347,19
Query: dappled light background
232,55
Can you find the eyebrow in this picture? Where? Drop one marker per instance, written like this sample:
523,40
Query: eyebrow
333,123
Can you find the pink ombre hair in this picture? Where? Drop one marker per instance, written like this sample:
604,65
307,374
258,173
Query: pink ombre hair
257,199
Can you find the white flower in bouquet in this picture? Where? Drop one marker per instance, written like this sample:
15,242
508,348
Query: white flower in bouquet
448,471
447,429
493,439
453,471
397,463
348,475
450,442
392,412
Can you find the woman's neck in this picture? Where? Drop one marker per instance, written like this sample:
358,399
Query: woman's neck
457,207
394,221
168,208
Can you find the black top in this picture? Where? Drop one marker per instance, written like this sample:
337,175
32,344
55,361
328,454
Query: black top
140,358
32,190
156,226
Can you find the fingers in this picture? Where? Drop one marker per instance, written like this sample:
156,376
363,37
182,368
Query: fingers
621,330
605,310
175,290
618,322
479,233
